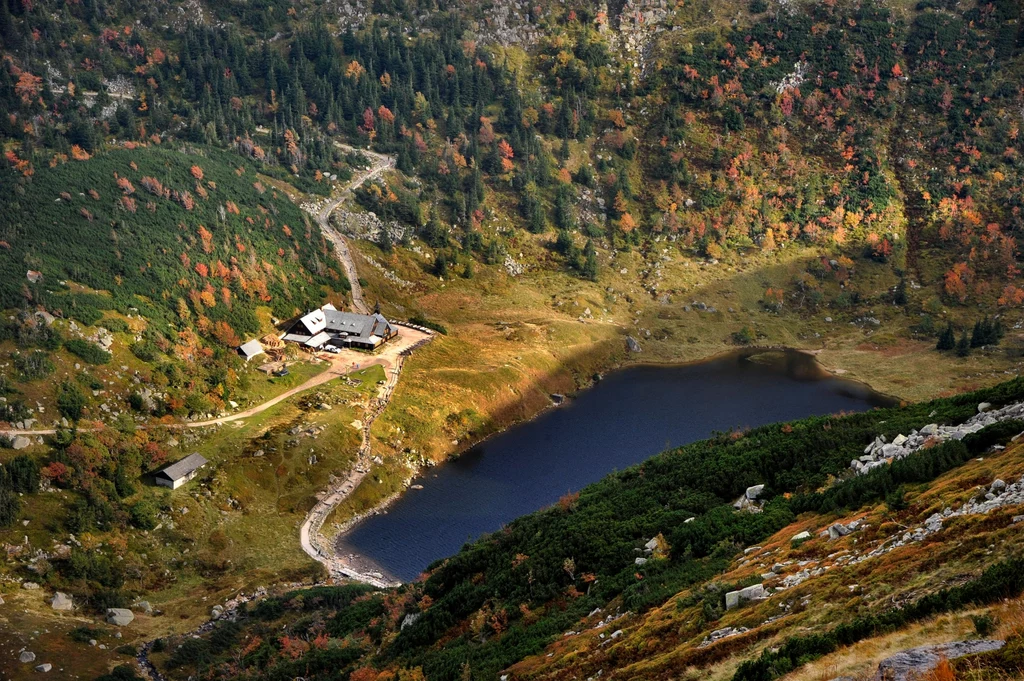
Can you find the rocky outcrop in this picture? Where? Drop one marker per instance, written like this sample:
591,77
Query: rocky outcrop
1009,495
719,634
882,453
916,662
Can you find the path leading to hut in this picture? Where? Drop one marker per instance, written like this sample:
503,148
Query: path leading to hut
379,164
312,541
346,361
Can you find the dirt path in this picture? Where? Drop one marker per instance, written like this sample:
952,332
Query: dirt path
340,365
380,164
309,531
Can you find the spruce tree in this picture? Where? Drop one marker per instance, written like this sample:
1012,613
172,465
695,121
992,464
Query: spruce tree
590,262
979,335
963,347
900,296
441,266
947,339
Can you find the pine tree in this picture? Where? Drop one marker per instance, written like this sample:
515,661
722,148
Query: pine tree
963,347
441,265
979,335
947,339
900,296
590,262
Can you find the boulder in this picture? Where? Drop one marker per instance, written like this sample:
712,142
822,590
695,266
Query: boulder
899,440
44,667
984,406
997,486
802,536
754,492
144,607
216,611
640,561
410,619
917,662
29,586
120,617
26,657
651,545
838,530
633,344
61,601
751,593
20,442
930,429
891,451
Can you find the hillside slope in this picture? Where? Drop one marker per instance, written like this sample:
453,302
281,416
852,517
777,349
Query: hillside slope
582,590
165,226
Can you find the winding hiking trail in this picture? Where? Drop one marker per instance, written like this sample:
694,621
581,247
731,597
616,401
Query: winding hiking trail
379,164
309,531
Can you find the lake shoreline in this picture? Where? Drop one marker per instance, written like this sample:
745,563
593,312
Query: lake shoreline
346,553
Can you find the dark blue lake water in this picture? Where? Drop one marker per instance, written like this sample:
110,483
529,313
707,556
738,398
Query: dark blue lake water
624,419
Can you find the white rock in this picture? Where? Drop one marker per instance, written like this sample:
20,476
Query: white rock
120,617
61,601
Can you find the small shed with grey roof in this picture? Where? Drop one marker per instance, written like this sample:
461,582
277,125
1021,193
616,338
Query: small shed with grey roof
250,349
180,472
